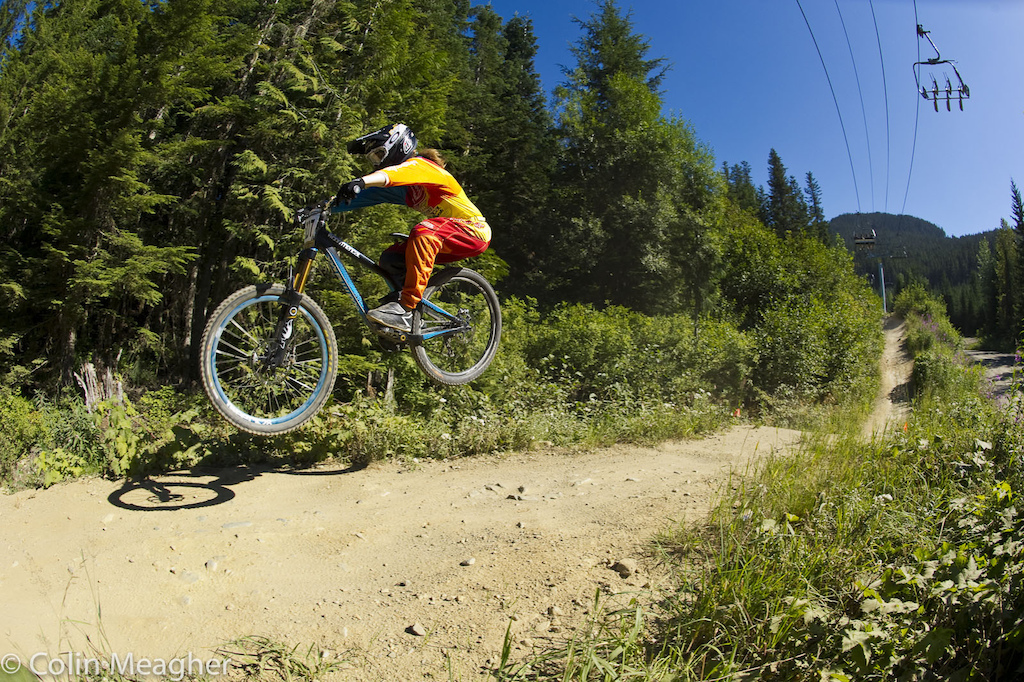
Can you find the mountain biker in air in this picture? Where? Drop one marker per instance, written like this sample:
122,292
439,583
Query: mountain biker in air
454,228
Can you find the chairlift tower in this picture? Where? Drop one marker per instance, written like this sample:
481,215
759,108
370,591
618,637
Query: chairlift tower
867,242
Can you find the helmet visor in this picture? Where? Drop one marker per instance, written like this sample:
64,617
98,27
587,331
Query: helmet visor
376,155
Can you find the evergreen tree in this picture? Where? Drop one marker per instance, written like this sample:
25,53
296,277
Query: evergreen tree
632,186
503,153
13,14
815,213
741,187
610,49
1017,211
785,210
1005,259
73,156
523,146
139,134
986,274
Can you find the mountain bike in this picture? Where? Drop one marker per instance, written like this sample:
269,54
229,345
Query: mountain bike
269,356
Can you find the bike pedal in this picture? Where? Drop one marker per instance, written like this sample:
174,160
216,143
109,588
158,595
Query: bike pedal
388,346
391,340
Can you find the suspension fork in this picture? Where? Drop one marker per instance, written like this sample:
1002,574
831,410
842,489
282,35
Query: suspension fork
305,266
290,300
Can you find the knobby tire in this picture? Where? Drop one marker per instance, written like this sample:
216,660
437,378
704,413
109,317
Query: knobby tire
457,358
248,393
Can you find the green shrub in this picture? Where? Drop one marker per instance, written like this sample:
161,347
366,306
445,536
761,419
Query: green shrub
22,427
816,349
916,299
791,346
925,332
45,441
621,356
573,376
938,371
926,319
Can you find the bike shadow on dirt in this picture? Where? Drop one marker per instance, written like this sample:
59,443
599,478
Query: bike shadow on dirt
201,487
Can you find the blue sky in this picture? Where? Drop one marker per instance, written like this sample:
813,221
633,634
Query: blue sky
747,76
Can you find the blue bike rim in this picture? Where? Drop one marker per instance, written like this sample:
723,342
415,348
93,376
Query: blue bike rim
212,363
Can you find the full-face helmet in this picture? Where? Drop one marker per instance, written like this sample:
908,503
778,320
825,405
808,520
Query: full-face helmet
389,146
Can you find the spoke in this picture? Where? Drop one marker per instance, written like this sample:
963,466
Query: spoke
285,402
312,352
245,332
275,404
298,383
251,385
230,362
241,354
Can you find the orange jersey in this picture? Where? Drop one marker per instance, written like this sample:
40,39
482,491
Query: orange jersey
433,191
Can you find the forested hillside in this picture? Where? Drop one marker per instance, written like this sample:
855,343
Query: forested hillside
977,276
915,250
152,155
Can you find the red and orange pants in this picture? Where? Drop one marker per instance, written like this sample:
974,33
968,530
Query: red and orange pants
434,240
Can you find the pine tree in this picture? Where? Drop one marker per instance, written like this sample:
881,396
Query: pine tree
1017,211
785,210
610,49
634,190
73,153
138,134
271,136
13,14
989,296
741,187
505,158
1004,286
815,214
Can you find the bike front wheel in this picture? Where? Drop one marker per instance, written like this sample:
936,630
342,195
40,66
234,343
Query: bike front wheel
252,392
459,321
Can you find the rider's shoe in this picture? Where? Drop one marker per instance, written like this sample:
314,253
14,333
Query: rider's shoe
392,315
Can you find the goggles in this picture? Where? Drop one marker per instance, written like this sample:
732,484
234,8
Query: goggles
376,156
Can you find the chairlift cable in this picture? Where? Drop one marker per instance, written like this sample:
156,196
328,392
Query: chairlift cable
863,111
913,146
885,91
842,125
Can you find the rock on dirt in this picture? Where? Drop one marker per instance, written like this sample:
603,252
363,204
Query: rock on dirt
625,567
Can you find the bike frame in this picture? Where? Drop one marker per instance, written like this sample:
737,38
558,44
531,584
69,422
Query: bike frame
319,238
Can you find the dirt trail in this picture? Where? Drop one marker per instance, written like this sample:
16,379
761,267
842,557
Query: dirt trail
999,372
350,560
403,570
891,406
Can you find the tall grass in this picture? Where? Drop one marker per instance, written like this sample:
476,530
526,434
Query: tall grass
901,558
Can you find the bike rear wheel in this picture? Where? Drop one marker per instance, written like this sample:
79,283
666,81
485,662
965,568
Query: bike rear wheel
252,393
460,322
